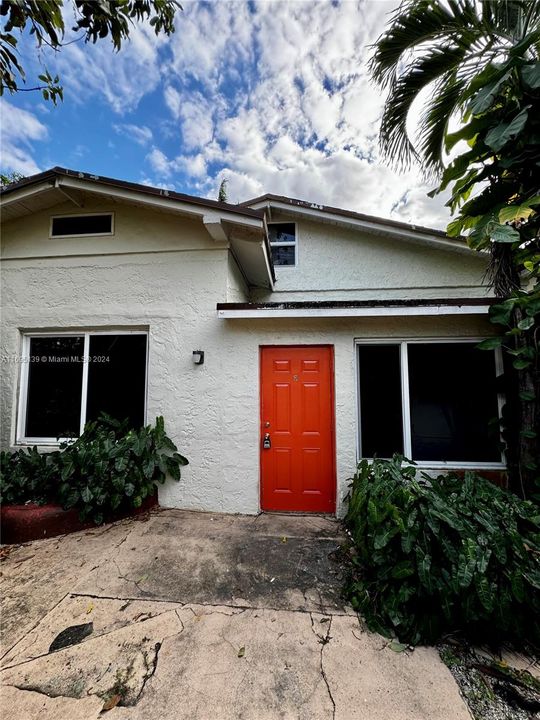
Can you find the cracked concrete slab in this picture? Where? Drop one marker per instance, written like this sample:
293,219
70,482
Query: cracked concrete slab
120,662
26,705
106,616
196,617
255,563
242,664
38,575
387,685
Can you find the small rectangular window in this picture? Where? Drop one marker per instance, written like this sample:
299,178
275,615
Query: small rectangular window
69,380
68,225
283,243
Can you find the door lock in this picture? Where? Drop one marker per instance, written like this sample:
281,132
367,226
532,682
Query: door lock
266,441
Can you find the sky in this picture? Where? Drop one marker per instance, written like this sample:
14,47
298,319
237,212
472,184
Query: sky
274,96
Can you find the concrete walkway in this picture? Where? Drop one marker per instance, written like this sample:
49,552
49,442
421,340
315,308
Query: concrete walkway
203,617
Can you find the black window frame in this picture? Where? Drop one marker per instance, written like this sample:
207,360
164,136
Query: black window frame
22,438
405,398
284,244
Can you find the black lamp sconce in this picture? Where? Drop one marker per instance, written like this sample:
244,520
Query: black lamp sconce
198,357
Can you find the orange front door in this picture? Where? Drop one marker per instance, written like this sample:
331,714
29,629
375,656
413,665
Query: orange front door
297,423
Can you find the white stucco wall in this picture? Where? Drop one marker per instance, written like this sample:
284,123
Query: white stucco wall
237,290
336,263
163,273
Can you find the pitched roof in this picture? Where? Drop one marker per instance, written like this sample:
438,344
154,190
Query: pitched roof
296,204
136,187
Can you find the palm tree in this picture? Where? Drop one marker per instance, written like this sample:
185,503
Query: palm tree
442,45
467,58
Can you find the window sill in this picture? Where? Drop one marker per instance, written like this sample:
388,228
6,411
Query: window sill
45,443
442,465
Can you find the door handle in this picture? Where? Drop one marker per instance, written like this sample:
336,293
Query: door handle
267,443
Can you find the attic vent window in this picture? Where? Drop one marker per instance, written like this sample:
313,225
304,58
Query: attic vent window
283,243
77,225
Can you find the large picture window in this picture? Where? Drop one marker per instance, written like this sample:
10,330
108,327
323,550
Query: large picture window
434,402
68,380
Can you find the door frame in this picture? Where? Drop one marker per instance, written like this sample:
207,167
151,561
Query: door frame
331,348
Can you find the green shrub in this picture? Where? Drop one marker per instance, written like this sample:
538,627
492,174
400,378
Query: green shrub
433,556
27,476
109,467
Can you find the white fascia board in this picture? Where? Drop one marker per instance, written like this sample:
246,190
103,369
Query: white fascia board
326,312
25,192
318,213
161,201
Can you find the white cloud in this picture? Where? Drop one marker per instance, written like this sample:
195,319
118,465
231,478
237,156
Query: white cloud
196,122
19,128
173,100
159,162
141,134
287,107
273,95
89,70
193,165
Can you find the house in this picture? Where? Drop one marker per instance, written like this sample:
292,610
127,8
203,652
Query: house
281,340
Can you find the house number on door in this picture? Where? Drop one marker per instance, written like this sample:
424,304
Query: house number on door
295,378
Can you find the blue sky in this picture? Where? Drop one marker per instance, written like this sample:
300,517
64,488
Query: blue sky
274,96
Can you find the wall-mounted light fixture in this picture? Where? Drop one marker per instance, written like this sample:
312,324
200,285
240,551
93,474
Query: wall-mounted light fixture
198,357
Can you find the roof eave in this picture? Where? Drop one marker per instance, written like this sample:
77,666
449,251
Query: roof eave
96,183
368,223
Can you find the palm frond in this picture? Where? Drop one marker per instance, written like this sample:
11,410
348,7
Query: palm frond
416,22
502,271
426,70
443,43
434,123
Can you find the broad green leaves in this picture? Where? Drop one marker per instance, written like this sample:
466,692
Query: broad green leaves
106,468
497,137
531,75
486,94
441,555
501,233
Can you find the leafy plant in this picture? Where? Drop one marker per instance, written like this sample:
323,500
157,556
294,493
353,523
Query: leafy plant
107,468
433,556
27,476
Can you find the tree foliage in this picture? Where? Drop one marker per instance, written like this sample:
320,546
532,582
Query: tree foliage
6,178
480,62
444,46
94,20
222,192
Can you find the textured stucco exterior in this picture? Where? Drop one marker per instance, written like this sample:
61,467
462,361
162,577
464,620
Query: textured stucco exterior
164,273
337,263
